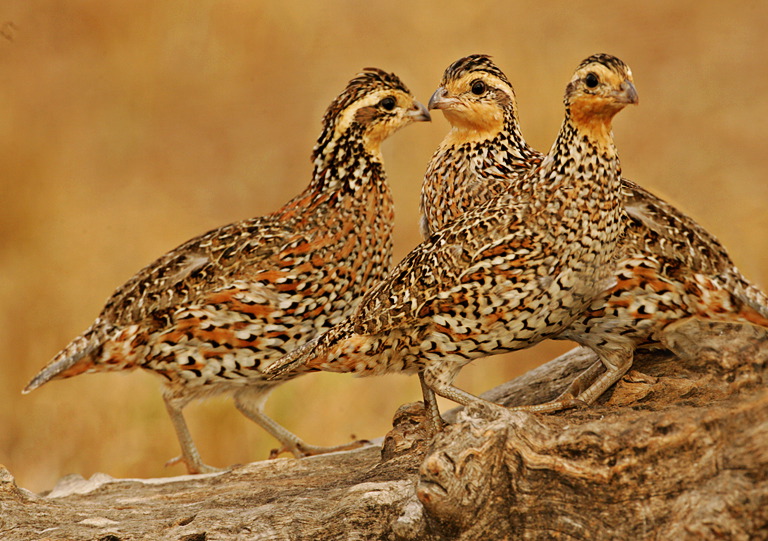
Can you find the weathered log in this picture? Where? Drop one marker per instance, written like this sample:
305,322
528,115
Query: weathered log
676,450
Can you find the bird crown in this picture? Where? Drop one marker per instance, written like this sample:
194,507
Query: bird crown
471,64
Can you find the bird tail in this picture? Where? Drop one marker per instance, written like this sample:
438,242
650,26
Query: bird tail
756,317
325,352
78,357
753,297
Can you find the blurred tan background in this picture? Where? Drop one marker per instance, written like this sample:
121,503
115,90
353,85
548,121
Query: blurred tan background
128,127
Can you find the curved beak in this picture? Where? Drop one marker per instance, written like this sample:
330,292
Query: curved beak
628,93
440,99
419,113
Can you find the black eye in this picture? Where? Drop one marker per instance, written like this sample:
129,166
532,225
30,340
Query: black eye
591,80
387,103
478,88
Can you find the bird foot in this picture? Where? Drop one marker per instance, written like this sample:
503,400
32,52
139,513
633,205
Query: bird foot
192,468
301,449
563,402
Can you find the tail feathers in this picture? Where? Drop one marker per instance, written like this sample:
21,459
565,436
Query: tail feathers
757,300
60,368
292,363
74,359
756,317
317,354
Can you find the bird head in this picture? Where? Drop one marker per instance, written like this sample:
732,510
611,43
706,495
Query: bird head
374,105
601,87
474,95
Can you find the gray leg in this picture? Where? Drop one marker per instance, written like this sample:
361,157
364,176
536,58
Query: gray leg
582,382
617,363
189,453
436,422
250,401
438,378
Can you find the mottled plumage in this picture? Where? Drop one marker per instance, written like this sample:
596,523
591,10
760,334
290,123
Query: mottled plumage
504,275
210,315
668,269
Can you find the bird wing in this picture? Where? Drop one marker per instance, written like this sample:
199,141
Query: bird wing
186,274
669,233
436,272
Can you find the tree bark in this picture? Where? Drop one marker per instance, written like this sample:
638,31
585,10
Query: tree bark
675,450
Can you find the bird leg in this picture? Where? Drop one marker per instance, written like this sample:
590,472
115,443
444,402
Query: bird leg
617,363
438,378
432,411
250,401
582,382
189,453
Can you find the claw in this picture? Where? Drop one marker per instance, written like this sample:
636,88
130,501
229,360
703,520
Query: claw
302,450
572,403
192,468
173,462
274,453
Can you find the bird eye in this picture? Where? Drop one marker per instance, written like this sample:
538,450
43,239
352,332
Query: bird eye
591,80
478,88
387,103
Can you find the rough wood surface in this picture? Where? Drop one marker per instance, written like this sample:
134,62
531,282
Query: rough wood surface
676,450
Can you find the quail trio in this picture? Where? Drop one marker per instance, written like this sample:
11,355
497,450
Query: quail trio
518,247
507,273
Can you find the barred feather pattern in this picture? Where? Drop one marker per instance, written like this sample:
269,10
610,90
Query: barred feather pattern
208,316
503,275
668,267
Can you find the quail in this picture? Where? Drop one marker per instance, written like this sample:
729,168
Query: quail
210,315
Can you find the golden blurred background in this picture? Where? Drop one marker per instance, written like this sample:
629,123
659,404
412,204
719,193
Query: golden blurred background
129,127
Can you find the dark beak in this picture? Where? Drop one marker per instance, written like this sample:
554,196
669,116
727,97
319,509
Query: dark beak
440,99
419,113
628,93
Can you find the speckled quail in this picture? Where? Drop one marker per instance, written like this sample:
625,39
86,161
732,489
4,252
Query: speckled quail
208,316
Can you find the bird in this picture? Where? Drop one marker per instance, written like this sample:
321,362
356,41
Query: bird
208,316
507,273
668,269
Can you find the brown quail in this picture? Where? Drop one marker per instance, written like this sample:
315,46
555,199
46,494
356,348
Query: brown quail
208,316
507,273
669,268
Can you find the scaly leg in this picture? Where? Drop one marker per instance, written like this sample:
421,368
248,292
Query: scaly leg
189,453
250,401
432,411
616,361
581,382
438,378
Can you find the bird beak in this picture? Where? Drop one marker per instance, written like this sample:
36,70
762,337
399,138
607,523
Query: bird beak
628,93
440,99
419,113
